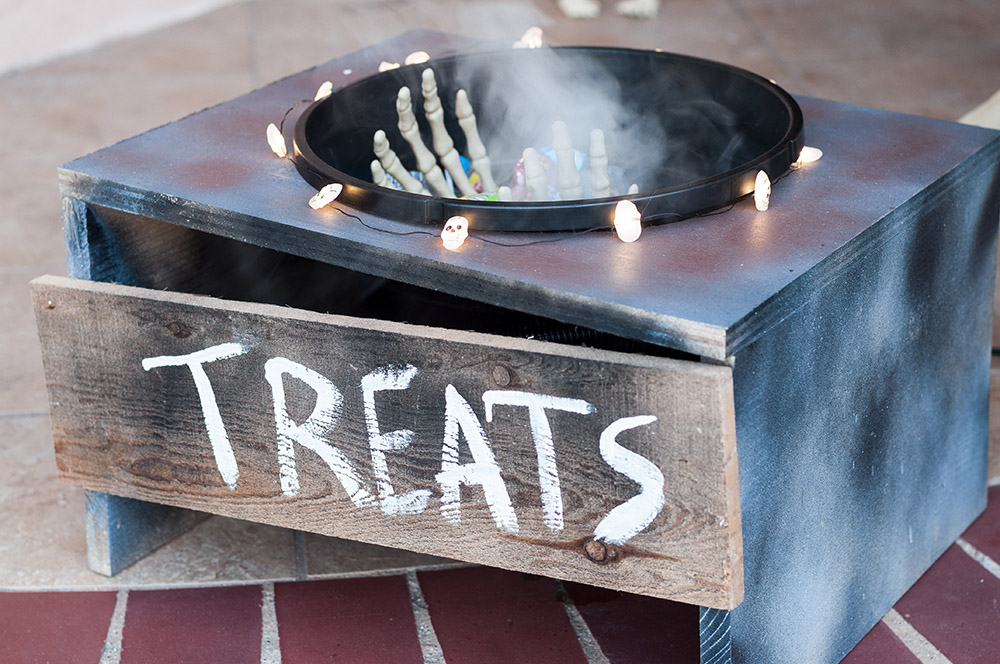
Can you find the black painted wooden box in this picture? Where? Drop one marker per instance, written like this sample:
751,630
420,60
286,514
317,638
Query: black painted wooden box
852,318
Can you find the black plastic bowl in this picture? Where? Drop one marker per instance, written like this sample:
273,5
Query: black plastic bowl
691,133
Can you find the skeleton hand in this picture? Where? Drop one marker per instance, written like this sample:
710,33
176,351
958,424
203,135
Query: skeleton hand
444,146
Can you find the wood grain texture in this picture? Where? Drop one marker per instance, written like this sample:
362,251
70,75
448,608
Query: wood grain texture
119,530
141,434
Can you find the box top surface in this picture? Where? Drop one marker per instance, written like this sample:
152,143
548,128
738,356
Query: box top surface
707,285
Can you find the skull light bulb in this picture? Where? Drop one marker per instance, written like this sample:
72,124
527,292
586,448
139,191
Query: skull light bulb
808,155
326,195
628,221
324,90
762,191
276,140
455,230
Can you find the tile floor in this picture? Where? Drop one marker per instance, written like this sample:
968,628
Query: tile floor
241,589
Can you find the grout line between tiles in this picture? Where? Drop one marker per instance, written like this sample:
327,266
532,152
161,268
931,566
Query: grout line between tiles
162,584
386,571
430,647
217,583
917,643
111,653
11,414
301,563
591,648
988,563
270,643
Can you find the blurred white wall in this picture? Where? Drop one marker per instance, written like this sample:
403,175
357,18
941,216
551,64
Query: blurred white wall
34,31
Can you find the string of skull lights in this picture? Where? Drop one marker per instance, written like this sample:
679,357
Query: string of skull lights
439,174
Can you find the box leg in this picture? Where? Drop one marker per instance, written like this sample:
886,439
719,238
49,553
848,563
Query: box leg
120,531
92,250
713,634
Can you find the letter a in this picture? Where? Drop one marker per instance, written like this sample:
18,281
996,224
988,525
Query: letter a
484,471
541,432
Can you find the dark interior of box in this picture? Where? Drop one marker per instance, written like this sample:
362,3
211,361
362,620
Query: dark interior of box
164,256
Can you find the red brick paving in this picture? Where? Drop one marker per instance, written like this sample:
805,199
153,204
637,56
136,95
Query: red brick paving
196,625
489,615
881,646
629,628
479,614
349,620
956,606
984,534
54,627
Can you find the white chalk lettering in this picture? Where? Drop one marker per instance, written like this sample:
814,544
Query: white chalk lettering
629,519
541,433
618,526
389,378
310,433
459,417
225,460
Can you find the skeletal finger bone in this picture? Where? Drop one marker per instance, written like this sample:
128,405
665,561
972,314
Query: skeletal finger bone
474,144
390,162
600,183
534,175
505,194
569,177
443,145
378,176
426,163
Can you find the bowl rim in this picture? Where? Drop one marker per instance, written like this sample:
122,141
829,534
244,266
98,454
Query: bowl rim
663,205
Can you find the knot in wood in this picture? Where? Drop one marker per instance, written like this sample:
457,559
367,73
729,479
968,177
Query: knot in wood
179,329
501,375
597,551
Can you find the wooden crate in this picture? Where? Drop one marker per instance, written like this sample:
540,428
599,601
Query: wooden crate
793,427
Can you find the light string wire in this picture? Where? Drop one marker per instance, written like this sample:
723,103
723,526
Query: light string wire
568,235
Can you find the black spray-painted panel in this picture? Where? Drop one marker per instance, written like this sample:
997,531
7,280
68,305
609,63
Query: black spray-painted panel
862,424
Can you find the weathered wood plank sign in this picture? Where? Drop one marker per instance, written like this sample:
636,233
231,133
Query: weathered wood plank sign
606,468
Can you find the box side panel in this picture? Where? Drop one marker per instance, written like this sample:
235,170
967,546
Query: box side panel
862,428
993,475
